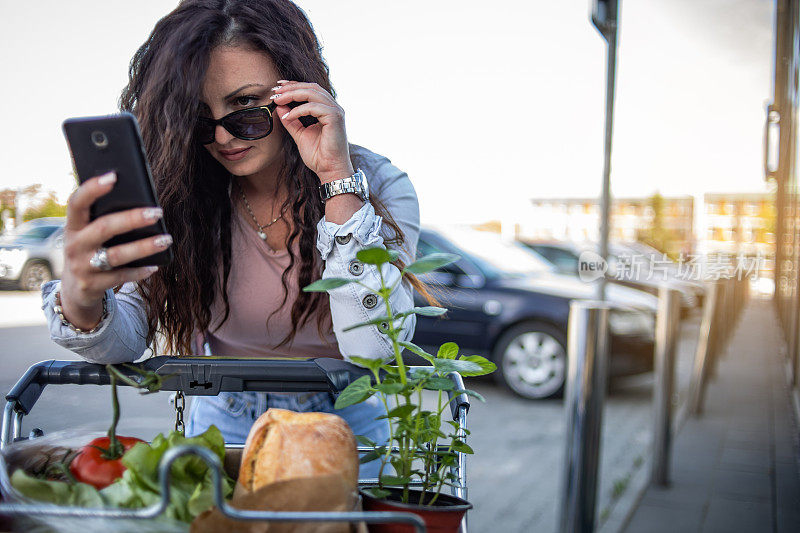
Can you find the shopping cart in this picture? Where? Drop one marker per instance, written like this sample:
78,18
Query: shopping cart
203,376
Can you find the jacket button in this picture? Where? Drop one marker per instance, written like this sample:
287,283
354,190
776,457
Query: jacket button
356,267
370,301
344,239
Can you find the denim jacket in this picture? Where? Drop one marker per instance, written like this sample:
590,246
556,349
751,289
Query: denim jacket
121,337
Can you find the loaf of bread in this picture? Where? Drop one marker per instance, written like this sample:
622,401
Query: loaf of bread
287,445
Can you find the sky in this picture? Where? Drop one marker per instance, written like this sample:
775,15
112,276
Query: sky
484,108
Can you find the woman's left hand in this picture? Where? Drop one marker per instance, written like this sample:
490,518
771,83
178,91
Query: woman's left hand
323,146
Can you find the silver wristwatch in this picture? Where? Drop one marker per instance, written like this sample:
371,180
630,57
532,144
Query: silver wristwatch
357,184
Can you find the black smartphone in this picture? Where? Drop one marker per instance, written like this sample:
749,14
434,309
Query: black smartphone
113,142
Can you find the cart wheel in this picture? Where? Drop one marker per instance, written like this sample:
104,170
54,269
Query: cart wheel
533,360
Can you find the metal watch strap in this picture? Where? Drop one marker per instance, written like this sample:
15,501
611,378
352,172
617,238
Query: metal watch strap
349,184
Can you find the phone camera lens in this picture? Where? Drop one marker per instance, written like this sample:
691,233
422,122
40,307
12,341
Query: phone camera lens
99,139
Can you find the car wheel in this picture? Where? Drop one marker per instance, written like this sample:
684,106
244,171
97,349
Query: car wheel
532,360
33,275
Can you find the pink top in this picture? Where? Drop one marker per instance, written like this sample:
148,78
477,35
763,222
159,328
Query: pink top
254,292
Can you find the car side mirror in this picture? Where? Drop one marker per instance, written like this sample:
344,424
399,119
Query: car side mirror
59,242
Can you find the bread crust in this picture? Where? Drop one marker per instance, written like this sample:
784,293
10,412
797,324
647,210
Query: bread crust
284,445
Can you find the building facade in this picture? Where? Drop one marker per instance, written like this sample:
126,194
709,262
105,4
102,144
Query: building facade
723,223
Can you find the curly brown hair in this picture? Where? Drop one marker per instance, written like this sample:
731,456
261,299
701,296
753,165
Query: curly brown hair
165,79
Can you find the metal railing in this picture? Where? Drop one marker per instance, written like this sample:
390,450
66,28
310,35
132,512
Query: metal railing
667,333
587,357
723,304
587,352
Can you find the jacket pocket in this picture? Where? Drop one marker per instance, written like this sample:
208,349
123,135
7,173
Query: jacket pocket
232,403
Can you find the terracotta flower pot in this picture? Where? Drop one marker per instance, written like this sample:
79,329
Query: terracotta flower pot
444,516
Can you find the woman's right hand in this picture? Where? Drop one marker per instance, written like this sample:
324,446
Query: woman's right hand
82,285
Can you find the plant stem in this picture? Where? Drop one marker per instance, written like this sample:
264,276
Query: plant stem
393,333
426,459
388,453
441,480
115,448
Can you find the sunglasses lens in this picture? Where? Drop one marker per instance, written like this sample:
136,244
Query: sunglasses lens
249,123
205,130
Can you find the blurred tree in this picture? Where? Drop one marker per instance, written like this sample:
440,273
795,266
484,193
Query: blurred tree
8,204
656,234
49,207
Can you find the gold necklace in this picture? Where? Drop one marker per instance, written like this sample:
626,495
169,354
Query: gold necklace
261,228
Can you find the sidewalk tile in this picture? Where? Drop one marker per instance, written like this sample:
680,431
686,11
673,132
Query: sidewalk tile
728,516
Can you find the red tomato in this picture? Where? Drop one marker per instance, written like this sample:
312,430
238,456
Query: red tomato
89,466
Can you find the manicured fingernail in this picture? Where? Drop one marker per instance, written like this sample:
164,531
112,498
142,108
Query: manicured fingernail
108,177
162,241
283,81
150,269
278,88
152,213
284,116
274,96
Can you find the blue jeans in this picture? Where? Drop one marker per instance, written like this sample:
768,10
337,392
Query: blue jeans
234,412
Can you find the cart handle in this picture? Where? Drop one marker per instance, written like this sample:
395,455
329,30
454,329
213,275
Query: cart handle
195,376
206,376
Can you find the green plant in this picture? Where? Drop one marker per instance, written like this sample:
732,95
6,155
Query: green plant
620,485
418,449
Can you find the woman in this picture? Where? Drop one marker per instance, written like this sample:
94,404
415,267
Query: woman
240,192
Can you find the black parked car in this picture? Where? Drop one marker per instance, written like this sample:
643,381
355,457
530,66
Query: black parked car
505,304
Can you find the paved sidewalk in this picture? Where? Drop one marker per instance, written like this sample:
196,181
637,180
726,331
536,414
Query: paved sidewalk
735,468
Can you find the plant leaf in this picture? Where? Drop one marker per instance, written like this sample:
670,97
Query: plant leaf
437,383
462,447
389,388
468,392
410,346
445,366
390,369
487,367
376,255
431,262
394,480
428,310
448,350
324,285
377,492
420,372
356,392
366,441
402,411
373,322
372,364
369,456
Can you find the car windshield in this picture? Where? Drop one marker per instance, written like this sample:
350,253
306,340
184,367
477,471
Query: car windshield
495,256
30,232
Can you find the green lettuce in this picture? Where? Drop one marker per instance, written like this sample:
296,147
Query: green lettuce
191,482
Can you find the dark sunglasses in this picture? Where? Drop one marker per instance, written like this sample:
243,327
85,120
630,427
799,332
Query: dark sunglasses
248,124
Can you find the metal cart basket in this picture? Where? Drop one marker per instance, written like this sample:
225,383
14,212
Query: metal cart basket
203,376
